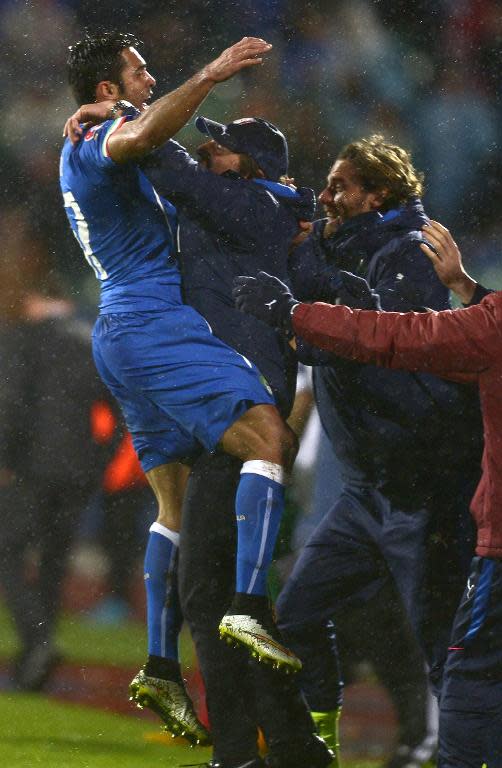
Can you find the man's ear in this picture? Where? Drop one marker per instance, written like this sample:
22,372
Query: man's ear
106,90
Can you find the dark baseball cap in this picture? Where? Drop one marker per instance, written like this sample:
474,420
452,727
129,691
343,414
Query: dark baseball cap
252,136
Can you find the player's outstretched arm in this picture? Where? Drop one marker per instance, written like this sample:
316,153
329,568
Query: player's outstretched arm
247,53
447,261
436,342
166,116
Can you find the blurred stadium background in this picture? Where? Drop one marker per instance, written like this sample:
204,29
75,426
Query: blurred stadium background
426,74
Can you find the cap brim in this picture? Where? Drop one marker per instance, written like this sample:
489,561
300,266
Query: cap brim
217,132
210,127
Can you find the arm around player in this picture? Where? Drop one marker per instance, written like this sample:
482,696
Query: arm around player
436,342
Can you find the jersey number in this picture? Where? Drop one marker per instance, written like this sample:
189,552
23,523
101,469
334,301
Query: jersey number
82,234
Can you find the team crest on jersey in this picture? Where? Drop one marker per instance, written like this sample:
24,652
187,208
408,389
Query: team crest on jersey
92,133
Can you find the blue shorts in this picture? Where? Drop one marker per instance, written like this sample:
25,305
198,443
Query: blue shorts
179,387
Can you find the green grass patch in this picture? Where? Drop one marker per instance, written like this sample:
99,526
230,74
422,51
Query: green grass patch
39,731
36,731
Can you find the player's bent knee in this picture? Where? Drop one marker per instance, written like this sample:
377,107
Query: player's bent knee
278,445
261,434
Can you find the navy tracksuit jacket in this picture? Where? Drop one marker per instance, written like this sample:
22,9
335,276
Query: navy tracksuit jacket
403,441
229,226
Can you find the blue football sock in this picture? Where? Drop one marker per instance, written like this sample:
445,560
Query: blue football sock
259,505
164,616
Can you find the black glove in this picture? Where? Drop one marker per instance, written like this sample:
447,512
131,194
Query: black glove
355,292
265,297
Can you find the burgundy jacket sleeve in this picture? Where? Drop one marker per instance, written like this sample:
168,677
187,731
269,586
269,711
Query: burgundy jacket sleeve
463,341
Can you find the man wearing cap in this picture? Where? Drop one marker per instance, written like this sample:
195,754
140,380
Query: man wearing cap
239,213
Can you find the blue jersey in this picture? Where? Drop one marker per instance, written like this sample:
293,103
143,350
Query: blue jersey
124,230
180,388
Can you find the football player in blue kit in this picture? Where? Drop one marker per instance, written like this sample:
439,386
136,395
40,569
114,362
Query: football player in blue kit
181,389
234,213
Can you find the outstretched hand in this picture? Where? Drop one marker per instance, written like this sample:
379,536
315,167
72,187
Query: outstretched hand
248,52
265,297
446,259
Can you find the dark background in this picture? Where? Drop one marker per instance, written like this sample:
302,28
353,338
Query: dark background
425,74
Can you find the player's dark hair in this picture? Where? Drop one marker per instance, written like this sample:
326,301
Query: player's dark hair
96,58
380,165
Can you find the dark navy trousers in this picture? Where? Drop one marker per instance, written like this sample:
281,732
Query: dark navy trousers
240,693
364,543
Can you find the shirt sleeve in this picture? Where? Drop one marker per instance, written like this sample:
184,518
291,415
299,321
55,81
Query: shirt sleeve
456,341
402,281
312,279
224,204
303,264
480,292
94,145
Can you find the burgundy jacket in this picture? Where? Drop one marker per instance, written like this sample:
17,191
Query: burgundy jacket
464,344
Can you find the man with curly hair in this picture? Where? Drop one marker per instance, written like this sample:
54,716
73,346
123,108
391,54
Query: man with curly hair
395,524
464,344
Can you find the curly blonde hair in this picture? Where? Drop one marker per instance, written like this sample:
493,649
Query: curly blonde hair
380,165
